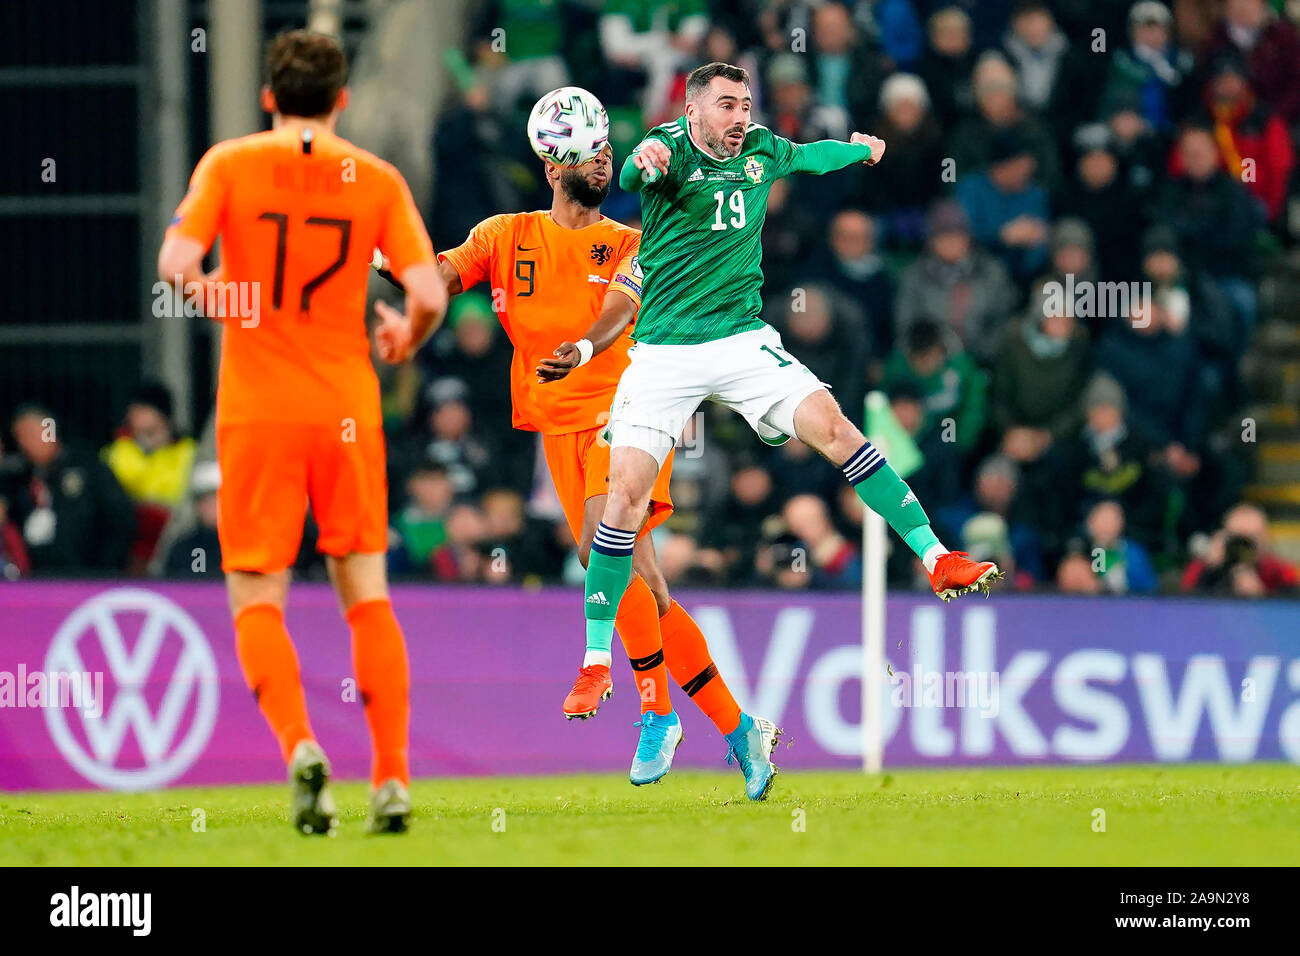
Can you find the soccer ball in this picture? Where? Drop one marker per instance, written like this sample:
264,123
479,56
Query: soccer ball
568,127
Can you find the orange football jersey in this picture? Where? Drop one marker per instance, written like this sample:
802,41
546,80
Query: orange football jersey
548,283
300,218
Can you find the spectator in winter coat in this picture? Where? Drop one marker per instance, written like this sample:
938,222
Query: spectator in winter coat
1209,317
954,388
1072,266
902,191
829,340
858,272
1057,76
1271,46
1254,143
1112,458
957,284
1102,196
1206,195
847,68
1007,206
1123,565
1037,49
150,461
1151,73
947,64
14,562
75,517
1171,406
997,109
1040,373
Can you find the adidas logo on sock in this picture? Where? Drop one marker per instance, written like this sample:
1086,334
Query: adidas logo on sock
696,176
598,598
908,498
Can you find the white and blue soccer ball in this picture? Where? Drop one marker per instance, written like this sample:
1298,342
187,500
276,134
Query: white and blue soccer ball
568,126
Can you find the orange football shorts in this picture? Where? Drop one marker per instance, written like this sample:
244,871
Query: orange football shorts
579,464
271,472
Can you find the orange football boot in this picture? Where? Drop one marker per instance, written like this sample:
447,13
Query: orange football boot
955,574
593,687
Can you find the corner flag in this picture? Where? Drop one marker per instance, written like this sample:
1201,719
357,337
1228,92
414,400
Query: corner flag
891,438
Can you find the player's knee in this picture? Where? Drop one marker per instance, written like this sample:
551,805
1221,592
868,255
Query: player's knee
843,437
245,589
584,550
626,502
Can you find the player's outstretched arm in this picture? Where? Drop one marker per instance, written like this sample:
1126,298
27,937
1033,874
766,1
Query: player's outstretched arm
829,155
399,335
645,165
616,314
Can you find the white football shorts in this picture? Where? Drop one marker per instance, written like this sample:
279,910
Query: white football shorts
749,372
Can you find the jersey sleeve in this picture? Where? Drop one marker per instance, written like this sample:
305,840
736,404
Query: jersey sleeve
628,275
472,259
782,152
403,238
201,215
823,156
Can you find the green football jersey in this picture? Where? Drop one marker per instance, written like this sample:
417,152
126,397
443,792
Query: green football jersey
701,230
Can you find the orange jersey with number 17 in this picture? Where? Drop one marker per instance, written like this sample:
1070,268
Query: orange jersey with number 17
299,220
548,284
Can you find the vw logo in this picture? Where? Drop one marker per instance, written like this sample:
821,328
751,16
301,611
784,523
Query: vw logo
99,628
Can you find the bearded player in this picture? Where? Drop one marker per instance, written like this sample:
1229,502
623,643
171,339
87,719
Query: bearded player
704,181
557,269
298,419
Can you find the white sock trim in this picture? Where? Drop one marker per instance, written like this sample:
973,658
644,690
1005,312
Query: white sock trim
931,557
598,657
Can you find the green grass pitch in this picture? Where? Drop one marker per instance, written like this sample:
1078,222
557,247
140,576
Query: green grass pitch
1185,815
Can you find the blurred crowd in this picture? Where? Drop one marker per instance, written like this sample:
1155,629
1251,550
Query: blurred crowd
1087,442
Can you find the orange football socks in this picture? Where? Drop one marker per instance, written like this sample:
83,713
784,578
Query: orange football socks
638,627
383,679
270,668
687,653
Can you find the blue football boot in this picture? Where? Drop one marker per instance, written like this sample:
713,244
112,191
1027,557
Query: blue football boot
660,736
751,745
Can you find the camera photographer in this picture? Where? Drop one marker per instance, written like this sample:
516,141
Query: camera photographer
1237,560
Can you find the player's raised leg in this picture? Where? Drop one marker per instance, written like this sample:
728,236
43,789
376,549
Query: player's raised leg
584,477
750,740
819,422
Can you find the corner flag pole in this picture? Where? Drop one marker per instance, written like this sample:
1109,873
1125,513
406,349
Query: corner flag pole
874,543
893,441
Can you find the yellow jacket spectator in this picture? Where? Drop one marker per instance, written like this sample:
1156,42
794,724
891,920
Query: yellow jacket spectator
151,463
